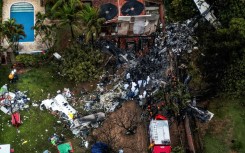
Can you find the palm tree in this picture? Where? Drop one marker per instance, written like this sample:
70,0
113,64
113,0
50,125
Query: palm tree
91,22
12,33
48,1
68,13
45,31
60,3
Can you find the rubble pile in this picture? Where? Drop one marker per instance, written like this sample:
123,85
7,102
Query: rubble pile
11,102
179,37
147,76
59,105
143,75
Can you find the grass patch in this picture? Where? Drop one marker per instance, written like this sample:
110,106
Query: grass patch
39,82
33,130
37,125
227,130
214,145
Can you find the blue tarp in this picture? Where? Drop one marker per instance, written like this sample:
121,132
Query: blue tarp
99,147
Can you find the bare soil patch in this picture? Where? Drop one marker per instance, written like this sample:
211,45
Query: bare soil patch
23,70
114,135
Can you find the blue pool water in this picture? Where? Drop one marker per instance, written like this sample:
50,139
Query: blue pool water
23,13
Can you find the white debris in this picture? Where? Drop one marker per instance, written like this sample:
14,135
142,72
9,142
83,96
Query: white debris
86,144
66,93
60,104
12,100
128,76
126,86
35,105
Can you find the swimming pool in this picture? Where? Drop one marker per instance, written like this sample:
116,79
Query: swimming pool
23,13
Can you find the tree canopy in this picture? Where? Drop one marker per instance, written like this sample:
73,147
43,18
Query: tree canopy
222,63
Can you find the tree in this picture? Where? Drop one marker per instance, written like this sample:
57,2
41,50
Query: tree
118,123
45,31
109,136
59,3
67,13
233,81
81,65
220,51
224,54
228,9
12,33
180,10
128,120
45,2
91,22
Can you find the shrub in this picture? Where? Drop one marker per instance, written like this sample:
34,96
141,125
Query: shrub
30,60
178,149
237,145
81,65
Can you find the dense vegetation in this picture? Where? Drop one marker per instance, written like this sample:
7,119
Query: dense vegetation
218,67
220,59
67,21
180,10
224,60
80,65
11,32
224,49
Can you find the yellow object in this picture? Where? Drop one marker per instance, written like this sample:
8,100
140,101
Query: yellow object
151,145
24,142
70,115
11,76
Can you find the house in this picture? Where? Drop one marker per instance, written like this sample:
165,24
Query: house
131,24
24,12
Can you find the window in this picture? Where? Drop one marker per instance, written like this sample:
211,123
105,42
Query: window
23,13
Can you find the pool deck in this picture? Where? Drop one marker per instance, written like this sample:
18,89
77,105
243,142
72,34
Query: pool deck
25,46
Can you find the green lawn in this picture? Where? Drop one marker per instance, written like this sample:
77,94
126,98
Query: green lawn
37,125
39,82
228,124
33,130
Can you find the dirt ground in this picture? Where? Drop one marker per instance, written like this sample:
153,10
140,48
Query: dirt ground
114,135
